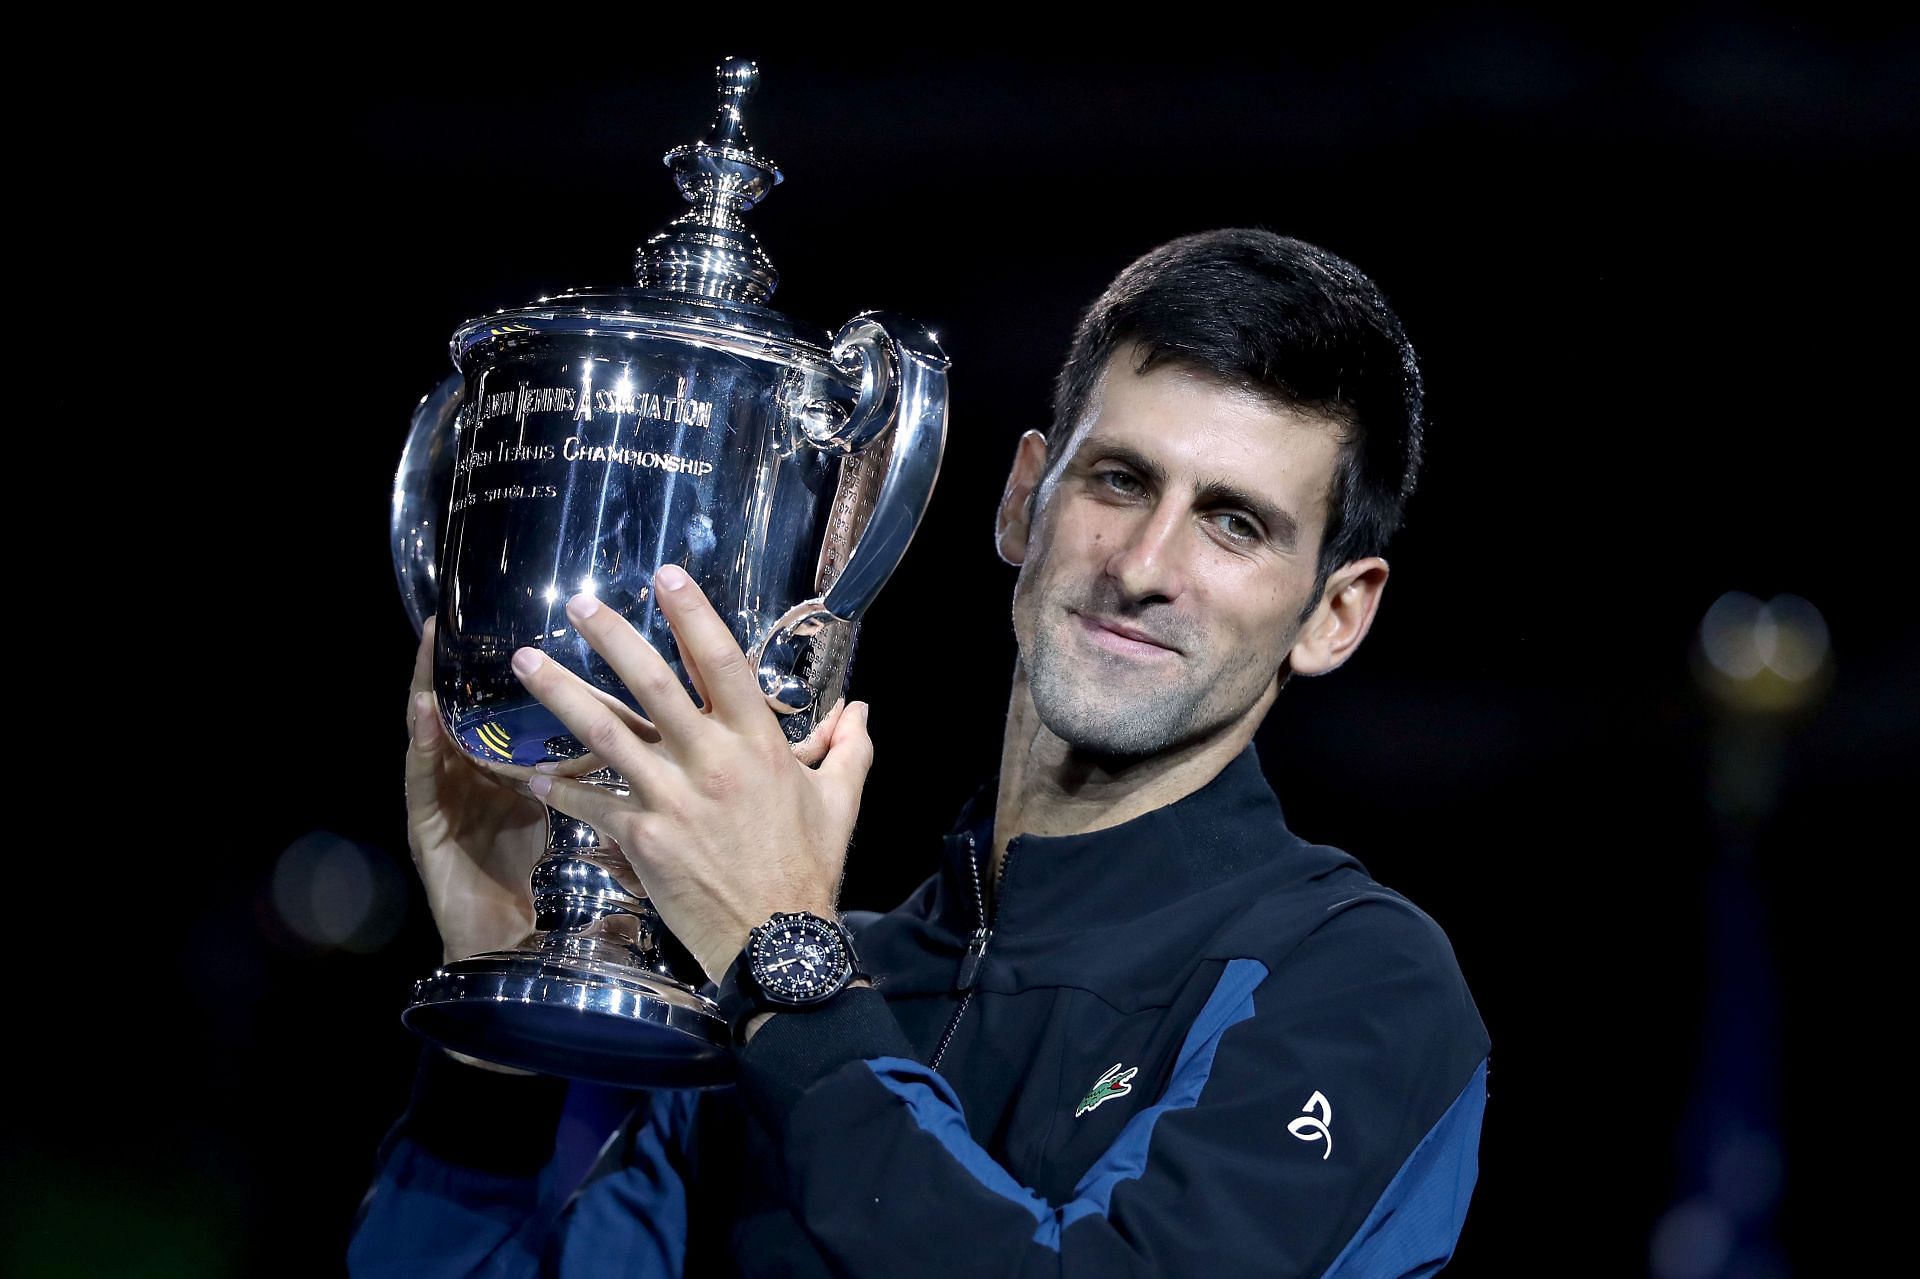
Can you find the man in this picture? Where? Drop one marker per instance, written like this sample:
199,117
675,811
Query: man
1133,1025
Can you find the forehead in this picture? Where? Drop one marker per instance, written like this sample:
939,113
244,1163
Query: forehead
1205,433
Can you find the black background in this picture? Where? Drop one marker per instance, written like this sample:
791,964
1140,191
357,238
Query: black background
1660,281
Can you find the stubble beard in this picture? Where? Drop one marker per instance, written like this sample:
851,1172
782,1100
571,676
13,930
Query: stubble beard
1104,709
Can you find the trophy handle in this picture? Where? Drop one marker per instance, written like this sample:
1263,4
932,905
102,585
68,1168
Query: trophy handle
422,492
903,386
901,412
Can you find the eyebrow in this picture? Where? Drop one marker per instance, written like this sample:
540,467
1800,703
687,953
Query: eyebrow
1280,526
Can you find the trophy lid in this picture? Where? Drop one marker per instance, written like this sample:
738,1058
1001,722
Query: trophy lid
704,278
708,251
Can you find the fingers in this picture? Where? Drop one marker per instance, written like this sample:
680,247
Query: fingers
593,719
515,776
423,657
424,742
423,723
642,727
850,755
425,734
711,653
597,806
427,740
814,749
422,676
427,737
637,663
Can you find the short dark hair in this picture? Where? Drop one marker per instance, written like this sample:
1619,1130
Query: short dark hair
1285,320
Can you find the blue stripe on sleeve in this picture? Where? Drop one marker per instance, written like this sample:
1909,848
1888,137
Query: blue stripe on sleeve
1416,1222
935,1107
638,1212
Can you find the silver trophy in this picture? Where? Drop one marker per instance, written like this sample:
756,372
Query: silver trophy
587,440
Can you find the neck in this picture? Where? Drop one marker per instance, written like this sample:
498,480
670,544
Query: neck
1047,787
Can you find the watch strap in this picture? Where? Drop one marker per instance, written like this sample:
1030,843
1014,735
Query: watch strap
736,998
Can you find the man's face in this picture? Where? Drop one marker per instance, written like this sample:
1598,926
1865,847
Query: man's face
1168,559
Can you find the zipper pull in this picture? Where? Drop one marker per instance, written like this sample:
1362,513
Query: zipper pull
970,961
977,944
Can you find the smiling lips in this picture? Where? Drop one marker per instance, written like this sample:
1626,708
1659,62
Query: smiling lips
1117,637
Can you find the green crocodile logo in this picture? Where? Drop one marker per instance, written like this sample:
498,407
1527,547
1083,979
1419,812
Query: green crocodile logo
1106,1088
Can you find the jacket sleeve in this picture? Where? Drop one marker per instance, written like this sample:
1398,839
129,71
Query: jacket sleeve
479,1178
1322,1119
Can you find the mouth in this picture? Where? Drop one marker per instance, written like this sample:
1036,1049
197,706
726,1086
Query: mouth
1118,637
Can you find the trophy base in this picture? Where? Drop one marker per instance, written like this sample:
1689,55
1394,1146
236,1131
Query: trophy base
574,1018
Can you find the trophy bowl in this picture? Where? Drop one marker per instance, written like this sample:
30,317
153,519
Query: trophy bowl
585,441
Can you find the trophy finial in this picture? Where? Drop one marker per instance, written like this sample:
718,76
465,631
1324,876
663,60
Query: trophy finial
708,250
738,78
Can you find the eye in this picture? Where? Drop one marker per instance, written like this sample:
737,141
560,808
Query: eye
1236,526
1119,481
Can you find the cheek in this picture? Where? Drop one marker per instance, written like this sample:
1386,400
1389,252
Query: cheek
1256,609
1026,587
1079,523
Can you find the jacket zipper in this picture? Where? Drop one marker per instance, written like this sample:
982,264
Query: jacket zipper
976,950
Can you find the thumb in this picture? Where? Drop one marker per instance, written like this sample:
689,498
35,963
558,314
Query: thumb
850,753
425,733
814,749
426,740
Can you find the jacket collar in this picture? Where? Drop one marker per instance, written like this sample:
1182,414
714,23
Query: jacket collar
1067,882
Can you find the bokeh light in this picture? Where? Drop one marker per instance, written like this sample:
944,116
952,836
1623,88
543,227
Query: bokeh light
1763,656
1692,1241
334,894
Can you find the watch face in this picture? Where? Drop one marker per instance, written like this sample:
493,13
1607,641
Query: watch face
798,959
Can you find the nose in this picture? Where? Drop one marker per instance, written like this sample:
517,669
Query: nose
1149,560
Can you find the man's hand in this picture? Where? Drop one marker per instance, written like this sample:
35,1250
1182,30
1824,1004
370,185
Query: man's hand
724,822
475,836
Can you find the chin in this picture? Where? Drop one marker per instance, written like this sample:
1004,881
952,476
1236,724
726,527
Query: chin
1102,721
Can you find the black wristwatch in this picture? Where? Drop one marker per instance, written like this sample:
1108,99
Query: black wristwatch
794,961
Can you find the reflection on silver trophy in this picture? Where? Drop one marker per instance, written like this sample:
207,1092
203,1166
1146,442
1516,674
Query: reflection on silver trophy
587,440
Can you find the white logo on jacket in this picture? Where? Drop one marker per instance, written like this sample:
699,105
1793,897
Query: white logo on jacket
1309,1128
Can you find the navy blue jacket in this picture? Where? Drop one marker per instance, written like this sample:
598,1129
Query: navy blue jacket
1190,1044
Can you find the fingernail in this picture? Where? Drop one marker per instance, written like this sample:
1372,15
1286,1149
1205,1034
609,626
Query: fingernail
550,766
583,605
671,577
540,784
526,661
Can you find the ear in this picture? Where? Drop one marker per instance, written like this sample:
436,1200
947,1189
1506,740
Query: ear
1341,619
1015,520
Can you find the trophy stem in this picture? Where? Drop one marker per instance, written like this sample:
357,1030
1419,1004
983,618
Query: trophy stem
588,903
593,994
